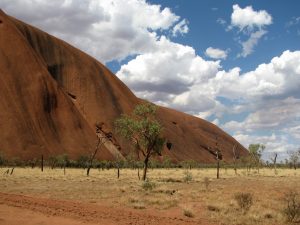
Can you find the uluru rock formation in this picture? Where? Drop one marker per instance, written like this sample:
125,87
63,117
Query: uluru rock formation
52,95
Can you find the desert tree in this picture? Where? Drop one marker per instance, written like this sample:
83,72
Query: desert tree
82,161
144,131
167,162
101,138
188,164
119,163
63,161
219,157
294,157
247,162
42,163
236,156
256,151
273,159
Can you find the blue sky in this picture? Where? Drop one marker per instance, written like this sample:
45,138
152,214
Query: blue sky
234,63
204,30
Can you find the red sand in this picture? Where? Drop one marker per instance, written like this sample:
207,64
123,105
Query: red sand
25,210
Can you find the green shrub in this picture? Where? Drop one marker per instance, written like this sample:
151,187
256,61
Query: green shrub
187,176
148,185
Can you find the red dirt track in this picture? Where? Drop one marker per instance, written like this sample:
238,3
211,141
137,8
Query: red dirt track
25,210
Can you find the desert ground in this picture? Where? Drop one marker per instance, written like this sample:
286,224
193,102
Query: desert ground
172,196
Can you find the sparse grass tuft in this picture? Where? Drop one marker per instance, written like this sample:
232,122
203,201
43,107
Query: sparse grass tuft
148,185
169,191
244,201
213,208
292,206
187,176
188,213
206,182
171,180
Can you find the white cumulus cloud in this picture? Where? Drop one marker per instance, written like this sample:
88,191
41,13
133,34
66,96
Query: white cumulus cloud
252,24
216,53
249,45
247,18
180,28
107,29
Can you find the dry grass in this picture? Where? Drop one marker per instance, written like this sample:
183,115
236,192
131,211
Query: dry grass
170,192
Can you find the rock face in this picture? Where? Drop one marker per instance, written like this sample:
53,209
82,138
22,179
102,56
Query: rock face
52,95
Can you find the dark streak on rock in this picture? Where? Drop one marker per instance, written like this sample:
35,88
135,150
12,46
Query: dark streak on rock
50,101
72,96
110,91
55,71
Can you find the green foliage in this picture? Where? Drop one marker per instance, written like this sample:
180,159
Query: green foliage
142,129
82,161
167,162
154,163
188,176
63,160
256,150
52,161
148,185
188,164
16,161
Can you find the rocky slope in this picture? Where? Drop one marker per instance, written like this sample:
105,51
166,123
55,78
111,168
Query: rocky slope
52,95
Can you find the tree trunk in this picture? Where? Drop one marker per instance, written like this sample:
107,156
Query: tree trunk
42,164
139,173
88,171
91,160
145,168
118,172
218,168
234,166
274,165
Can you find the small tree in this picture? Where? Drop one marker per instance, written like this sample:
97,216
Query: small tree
143,130
63,161
101,138
82,161
256,153
167,162
274,159
294,157
219,157
236,156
